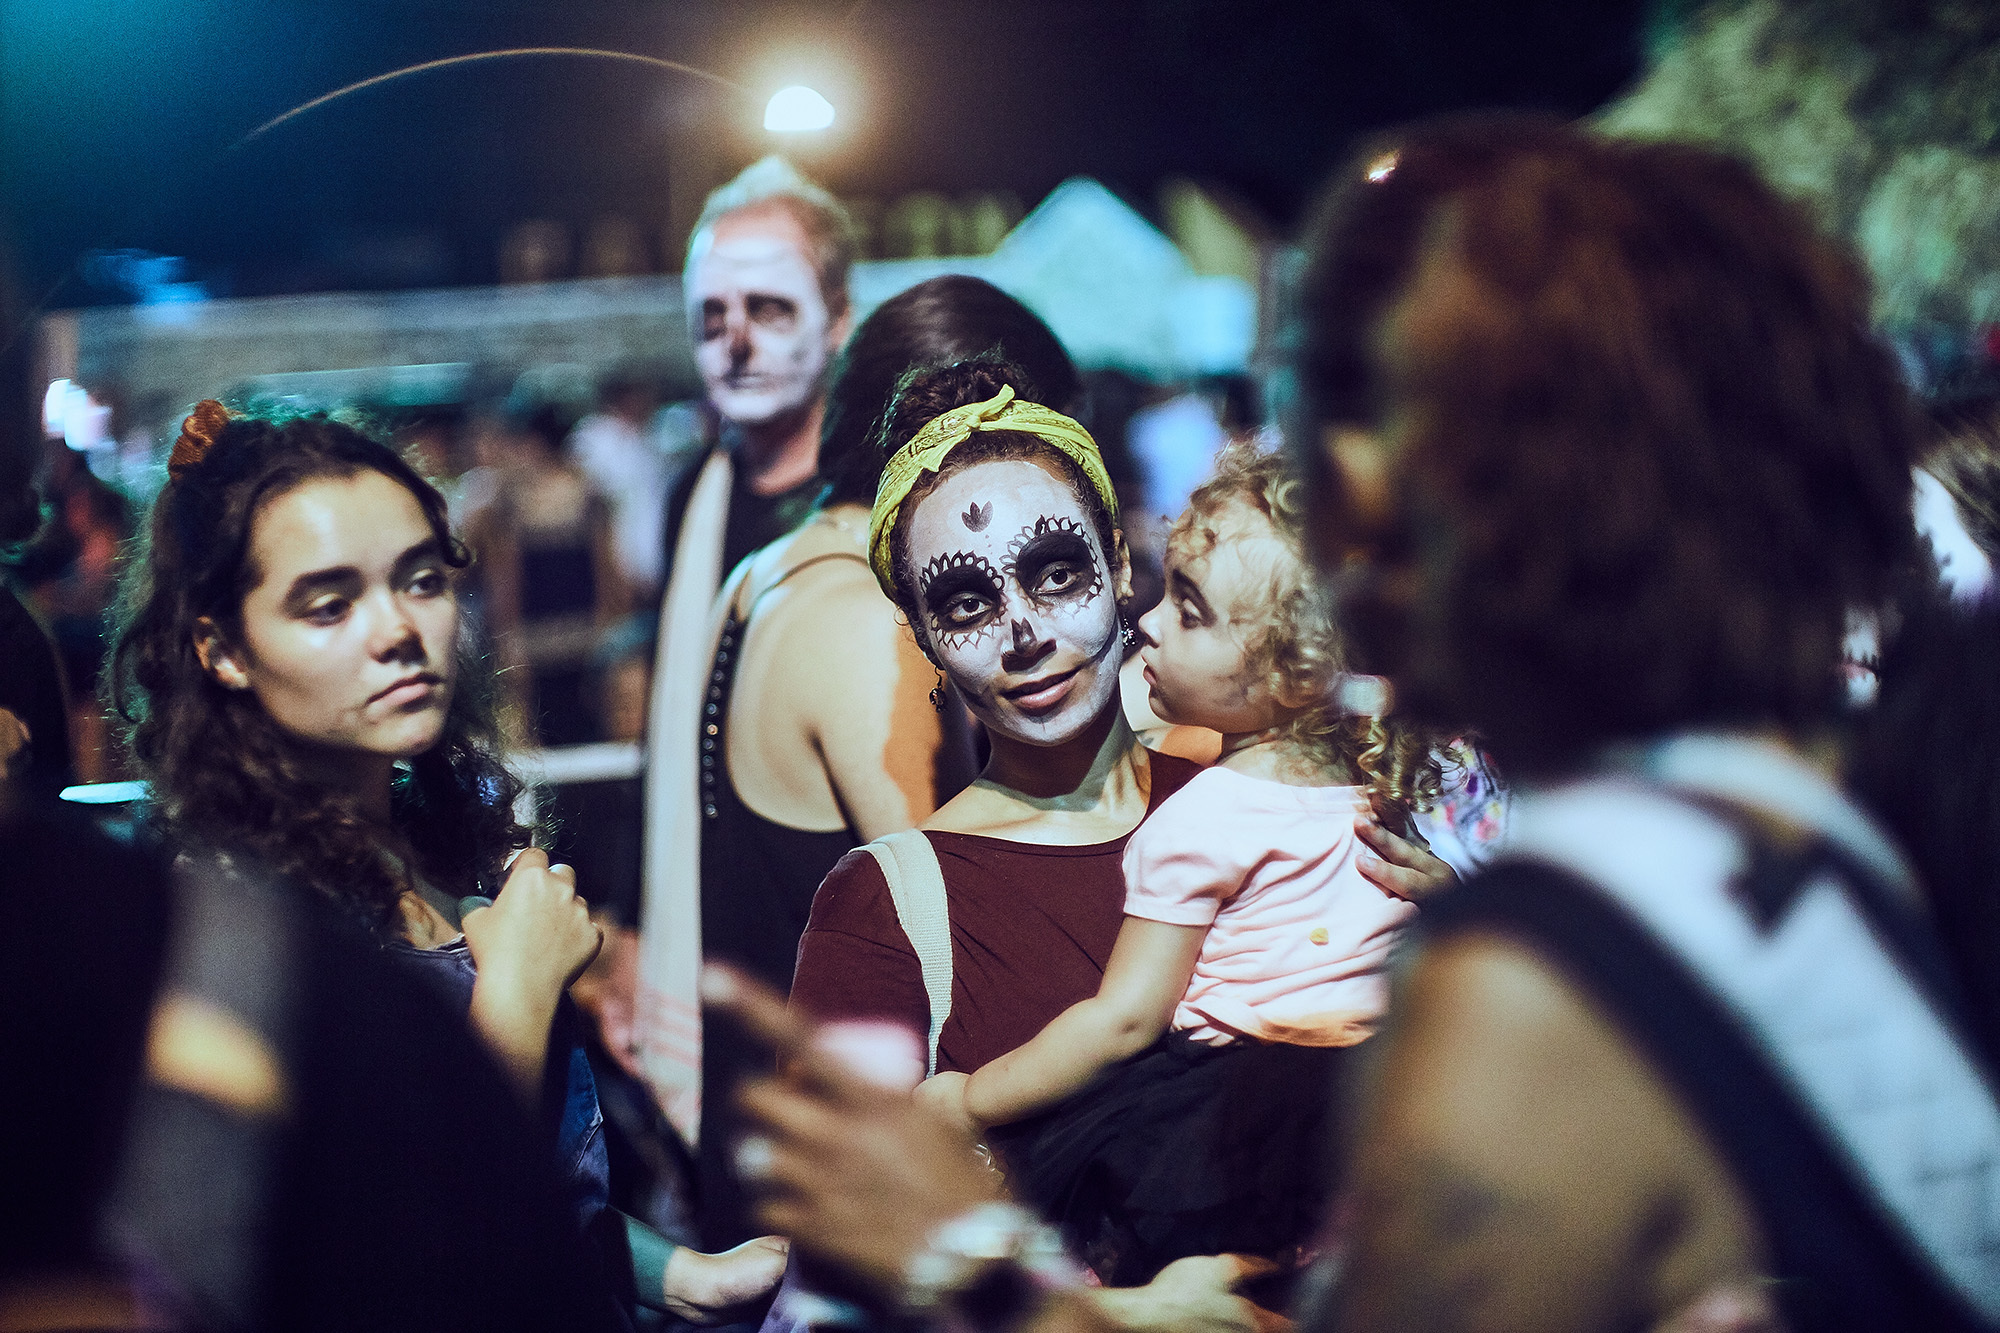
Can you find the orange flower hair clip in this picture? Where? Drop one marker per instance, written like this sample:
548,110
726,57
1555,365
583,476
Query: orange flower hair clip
198,434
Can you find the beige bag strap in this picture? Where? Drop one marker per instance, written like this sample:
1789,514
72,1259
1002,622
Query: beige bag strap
916,887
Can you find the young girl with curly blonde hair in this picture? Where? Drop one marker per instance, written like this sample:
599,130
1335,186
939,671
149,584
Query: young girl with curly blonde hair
1182,1109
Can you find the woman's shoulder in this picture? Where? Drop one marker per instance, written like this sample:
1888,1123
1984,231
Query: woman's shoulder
854,892
826,553
857,871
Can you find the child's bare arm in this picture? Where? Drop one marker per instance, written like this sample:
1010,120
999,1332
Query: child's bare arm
1147,975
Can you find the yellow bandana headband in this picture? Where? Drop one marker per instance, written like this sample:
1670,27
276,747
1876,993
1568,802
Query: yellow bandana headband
929,447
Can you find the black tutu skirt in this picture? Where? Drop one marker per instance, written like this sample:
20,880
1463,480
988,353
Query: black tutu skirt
1185,1149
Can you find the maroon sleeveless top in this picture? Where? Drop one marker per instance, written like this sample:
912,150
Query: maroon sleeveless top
1031,931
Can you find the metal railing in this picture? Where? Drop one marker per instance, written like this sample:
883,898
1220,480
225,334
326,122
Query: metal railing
605,761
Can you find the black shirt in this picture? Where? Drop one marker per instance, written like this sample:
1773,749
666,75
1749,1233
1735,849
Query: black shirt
755,520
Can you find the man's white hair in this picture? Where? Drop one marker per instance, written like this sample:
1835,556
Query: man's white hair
772,182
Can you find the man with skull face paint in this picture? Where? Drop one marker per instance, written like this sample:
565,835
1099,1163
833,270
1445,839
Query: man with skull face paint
767,307
766,291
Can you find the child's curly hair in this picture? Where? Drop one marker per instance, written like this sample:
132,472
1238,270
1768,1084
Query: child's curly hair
1294,644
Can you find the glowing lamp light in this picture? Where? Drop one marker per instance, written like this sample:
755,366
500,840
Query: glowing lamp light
796,109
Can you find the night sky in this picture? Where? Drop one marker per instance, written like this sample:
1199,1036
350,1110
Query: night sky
119,115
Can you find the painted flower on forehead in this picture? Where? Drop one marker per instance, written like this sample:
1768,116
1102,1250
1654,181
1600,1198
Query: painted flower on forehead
929,447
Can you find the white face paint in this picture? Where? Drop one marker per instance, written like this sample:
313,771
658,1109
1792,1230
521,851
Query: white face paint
1963,567
762,334
1016,596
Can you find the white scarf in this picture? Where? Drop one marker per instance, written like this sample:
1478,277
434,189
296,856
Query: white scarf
668,1019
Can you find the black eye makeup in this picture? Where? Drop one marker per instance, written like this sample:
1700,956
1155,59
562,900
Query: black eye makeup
963,594
772,311
1053,561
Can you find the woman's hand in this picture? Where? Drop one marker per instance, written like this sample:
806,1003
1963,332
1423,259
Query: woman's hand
709,1288
943,1095
538,931
1399,866
528,946
854,1172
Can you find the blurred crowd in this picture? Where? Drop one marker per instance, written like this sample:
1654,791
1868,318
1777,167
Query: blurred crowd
1490,827
563,500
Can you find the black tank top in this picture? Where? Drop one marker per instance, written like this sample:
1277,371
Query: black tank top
758,878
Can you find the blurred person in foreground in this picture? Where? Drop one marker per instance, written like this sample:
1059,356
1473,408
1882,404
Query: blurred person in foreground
1767,1095
81,953
80,958
1688,1054
767,308
302,699
830,729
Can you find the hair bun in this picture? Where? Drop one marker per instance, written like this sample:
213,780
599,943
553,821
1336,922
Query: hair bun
198,435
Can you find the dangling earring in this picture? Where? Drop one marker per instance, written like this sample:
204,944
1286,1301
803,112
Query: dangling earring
937,693
1126,634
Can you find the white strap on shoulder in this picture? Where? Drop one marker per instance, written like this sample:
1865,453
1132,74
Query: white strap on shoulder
1829,1005
916,887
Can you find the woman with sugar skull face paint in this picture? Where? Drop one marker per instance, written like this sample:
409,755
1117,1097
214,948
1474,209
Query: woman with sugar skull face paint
1016,599
995,532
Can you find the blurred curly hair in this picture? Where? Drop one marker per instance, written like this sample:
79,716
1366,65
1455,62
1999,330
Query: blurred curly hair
1294,645
224,774
1646,453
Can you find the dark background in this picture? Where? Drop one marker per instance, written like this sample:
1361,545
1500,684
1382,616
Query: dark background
120,115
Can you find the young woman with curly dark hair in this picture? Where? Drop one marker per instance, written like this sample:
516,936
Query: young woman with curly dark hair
222,668
295,685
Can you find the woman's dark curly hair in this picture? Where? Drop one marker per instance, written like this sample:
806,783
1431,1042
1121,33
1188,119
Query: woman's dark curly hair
929,392
934,323
224,774
1645,455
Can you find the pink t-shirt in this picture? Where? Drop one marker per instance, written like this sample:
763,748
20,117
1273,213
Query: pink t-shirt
1297,939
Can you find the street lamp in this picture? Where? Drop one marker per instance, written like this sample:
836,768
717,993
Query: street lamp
797,109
